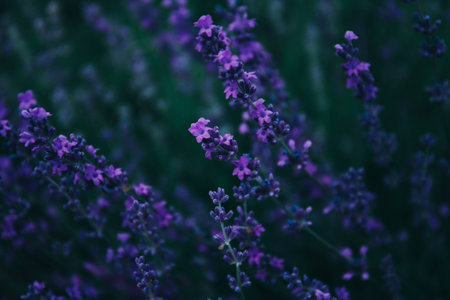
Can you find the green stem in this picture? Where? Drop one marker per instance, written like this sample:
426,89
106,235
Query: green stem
236,263
419,8
314,234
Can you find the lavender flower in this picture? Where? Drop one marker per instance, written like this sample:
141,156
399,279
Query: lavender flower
361,81
146,278
353,201
358,266
300,220
37,291
304,288
213,43
232,255
222,147
26,100
391,279
434,45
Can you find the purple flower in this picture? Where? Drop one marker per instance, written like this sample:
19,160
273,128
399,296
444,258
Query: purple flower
304,288
91,150
146,276
231,89
219,196
350,36
205,23
259,112
233,283
112,172
353,66
199,129
277,263
27,138
91,173
61,145
227,60
26,100
241,169
342,293
58,168
301,218
4,127
361,81
254,256
390,277
142,189
359,265
439,92
241,23
123,236
37,113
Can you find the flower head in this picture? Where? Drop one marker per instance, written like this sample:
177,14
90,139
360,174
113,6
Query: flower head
37,113
26,99
27,138
241,169
227,60
4,127
91,173
199,130
205,23
260,112
350,36
61,145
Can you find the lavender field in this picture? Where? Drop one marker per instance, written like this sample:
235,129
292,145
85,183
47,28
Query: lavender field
224,149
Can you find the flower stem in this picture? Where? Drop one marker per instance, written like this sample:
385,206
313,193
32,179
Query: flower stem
236,263
320,239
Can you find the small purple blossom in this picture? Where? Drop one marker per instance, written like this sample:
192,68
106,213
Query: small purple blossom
205,24
142,189
358,266
227,60
61,145
4,127
350,36
93,174
259,112
199,129
241,169
27,138
26,100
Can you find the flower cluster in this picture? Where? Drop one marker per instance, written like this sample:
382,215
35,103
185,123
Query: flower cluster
391,278
86,222
432,47
246,168
252,53
146,278
422,182
71,167
358,265
214,44
222,147
229,233
304,288
361,81
353,201
37,290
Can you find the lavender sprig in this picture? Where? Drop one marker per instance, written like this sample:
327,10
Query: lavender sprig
361,81
232,255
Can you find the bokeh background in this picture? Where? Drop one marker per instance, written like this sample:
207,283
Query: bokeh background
132,99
